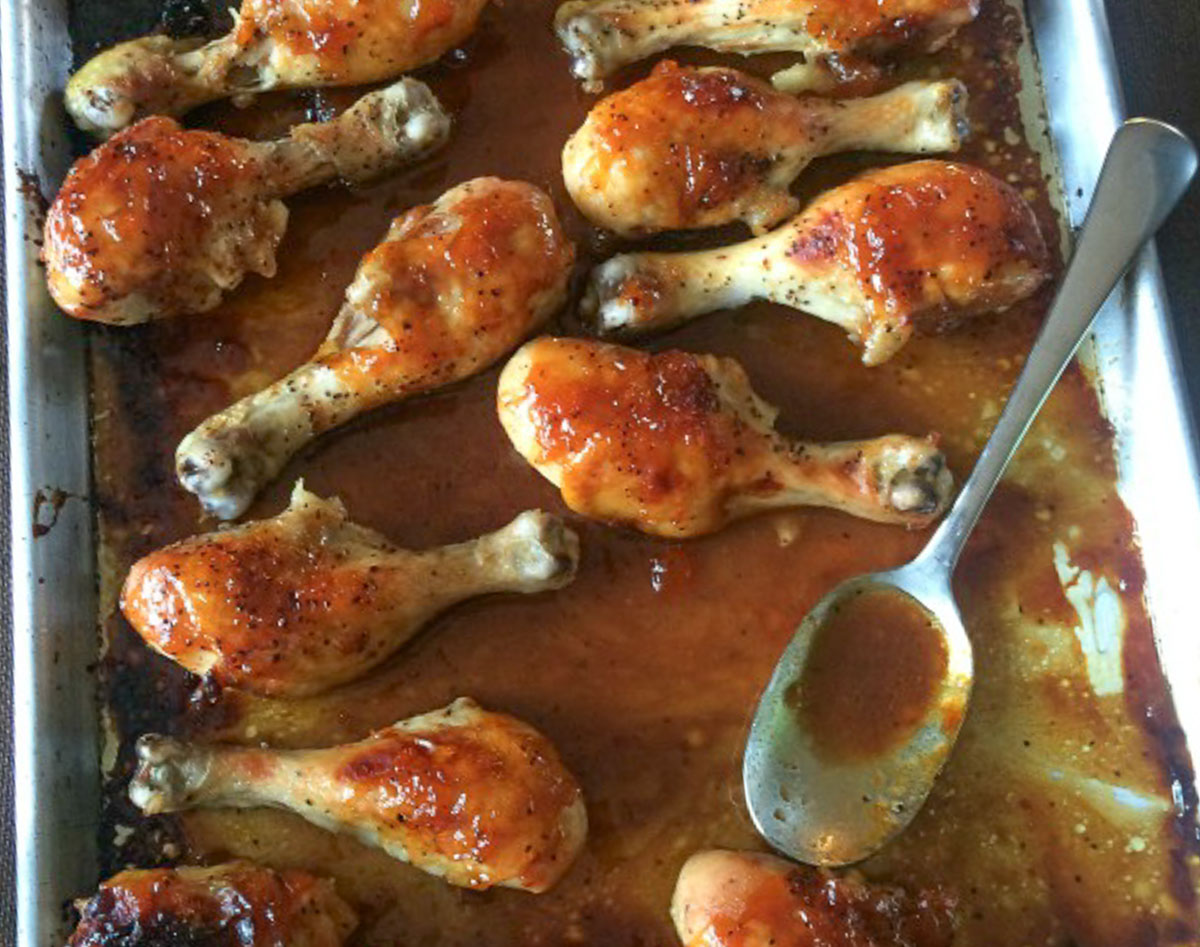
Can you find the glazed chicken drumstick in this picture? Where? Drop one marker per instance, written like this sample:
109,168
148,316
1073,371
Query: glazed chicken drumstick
307,600
274,44
689,148
236,903
678,445
747,899
474,797
160,221
453,287
601,36
928,239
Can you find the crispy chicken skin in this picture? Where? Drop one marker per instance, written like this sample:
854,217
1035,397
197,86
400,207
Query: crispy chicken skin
925,240
160,221
307,600
601,36
678,445
238,904
474,797
453,287
690,147
274,44
747,899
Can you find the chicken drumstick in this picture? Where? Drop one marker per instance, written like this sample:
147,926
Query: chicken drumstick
748,899
678,445
297,604
601,36
160,221
474,797
235,903
924,239
689,148
453,287
274,44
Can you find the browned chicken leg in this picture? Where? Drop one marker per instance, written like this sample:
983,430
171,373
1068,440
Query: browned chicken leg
601,36
678,445
453,287
274,44
474,797
928,239
300,603
238,903
688,148
747,899
160,221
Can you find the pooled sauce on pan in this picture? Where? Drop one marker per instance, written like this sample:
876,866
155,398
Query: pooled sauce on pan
871,675
1055,821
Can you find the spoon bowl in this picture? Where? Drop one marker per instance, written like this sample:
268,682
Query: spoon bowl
794,784
820,804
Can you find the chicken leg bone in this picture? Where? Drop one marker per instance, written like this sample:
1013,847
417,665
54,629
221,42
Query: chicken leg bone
678,445
474,797
160,221
689,148
274,44
926,239
307,600
601,36
453,287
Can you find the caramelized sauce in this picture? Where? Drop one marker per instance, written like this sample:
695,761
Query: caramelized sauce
645,672
846,24
947,225
810,908
872,672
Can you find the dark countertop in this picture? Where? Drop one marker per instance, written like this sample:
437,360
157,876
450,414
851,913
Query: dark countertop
1158,49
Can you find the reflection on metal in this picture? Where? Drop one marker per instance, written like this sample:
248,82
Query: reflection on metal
1101,628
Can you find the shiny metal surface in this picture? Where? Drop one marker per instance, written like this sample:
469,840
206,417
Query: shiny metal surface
828,812
53,567
55,717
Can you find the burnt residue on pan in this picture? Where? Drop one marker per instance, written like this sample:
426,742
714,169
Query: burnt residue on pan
1065,815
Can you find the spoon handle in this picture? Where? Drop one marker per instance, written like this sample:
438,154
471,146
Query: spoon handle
1147,169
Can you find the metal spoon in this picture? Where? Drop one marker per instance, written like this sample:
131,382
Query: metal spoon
833,811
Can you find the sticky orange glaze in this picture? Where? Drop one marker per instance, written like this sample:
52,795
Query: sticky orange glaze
262,606
459,283
488,797
928,235
873,669
693,145
642,438
135,215
774,903
237,904
869,25
357,40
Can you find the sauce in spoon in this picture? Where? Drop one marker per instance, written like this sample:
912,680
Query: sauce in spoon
873,671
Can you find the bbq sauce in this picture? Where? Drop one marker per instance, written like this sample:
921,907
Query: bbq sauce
873,671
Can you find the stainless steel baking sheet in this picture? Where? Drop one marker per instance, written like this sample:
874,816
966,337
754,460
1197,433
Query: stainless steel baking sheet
54,621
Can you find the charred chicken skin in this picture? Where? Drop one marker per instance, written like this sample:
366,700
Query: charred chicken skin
601,36
161,221
928,240
678,445
747,899
307,600
689,148
274,44
238,904
476,798
453,287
